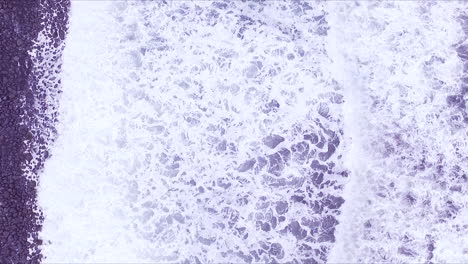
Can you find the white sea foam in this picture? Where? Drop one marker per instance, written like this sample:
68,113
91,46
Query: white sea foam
79,195
403,66
164,104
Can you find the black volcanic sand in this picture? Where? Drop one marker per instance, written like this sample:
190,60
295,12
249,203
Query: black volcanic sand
22,120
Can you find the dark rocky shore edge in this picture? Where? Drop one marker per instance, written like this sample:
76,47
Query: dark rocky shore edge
28,98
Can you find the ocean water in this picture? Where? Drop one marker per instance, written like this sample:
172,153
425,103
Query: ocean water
407,200
259,132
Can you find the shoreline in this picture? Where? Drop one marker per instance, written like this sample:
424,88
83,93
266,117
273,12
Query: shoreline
23,144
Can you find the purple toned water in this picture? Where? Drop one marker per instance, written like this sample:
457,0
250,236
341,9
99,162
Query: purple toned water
234,132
